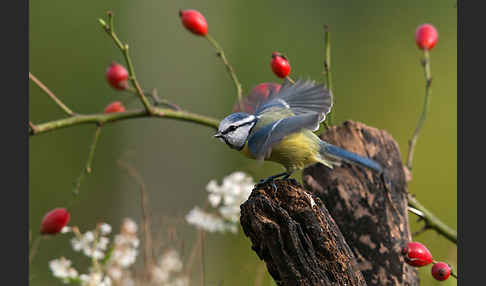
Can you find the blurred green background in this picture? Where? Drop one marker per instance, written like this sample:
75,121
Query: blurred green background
377,77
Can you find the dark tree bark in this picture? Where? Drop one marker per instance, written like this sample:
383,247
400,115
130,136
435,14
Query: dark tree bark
360,204
292,231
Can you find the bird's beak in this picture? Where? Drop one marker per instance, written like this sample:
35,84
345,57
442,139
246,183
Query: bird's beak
218,135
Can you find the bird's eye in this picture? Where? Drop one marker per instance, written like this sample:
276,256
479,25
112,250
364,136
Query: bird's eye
231,128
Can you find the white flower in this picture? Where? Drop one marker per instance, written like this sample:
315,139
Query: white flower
115,272
61,268
129,226
171,261
166,272
226,198
206,221
124,257
95,278
103,243
159,275
87,244
125,245
66,229
105,229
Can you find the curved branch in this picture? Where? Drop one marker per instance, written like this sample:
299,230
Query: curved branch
431,221
423,115
102,118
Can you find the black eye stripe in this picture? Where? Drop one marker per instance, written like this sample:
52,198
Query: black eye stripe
233,127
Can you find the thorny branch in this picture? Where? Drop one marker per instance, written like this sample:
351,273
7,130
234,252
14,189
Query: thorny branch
102,119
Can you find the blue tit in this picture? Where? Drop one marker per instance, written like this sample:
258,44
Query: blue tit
281,130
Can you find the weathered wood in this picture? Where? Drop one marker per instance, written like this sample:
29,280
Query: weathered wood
292,231
357,200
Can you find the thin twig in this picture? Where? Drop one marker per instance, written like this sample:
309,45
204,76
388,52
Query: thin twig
51,95
423,116
87,169
421,230
203,263
194,251
94,261
33,249
431,221
33,128
453,274
229,68
146,217
327,71
102,118
110,30
157,100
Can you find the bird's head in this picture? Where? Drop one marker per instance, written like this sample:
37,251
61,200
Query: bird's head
235,128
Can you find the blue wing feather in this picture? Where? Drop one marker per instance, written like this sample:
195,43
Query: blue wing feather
261,142
301,98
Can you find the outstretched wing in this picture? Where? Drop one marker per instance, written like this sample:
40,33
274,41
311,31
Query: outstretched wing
260,143
257,96
300,98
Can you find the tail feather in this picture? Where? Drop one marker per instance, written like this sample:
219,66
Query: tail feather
334,152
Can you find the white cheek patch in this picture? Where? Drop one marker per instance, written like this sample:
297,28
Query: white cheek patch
245,120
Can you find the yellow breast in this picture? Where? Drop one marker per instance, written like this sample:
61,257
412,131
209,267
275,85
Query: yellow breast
294,152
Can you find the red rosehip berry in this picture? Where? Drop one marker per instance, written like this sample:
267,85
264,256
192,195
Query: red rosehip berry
416,254
441,271
117,76
426,36
258,94
280,65
194,21
54,221
115,106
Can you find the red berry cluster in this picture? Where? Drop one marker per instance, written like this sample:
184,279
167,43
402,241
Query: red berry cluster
416,254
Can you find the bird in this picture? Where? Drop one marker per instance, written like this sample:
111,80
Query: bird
280,128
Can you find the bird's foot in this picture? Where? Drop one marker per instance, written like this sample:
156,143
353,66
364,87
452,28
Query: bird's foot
271,180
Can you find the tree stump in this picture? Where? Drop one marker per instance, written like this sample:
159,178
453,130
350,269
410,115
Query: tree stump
292,231
357,200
